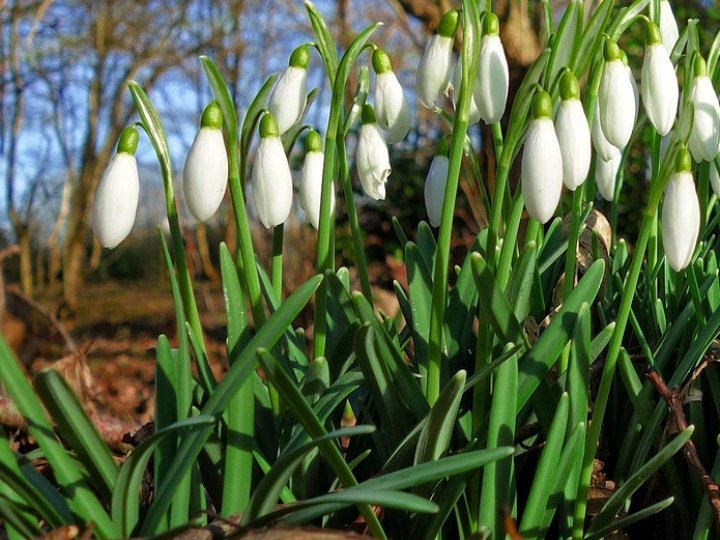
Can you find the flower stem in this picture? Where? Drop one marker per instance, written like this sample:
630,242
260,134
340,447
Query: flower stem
277,260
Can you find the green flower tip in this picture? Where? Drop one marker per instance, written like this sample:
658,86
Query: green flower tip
212,116
128,142
442,148
611,50
381,61
268,126
652,34
700,67
569,87
368,114
491,24
300,57
542,105
449,23
348,413
313,142
683,160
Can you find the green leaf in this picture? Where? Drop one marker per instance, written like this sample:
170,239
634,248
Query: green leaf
536,363
222,96
76,428
266,494
625,491
592,36
623,522
125,500
17,520
152,123
437,432
520,287
323,41
579,368
563,49
361,92
252,117
243,368
420,288
426,244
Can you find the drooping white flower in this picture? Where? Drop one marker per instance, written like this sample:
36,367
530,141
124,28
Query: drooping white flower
616,98
206,168
473,112
435,67
542,168
705,134
289,95
573,133
680,214
371,156
435,184
668,26
271,178
311,180
391,108
604,149
606,175
491,90
117,195
658,85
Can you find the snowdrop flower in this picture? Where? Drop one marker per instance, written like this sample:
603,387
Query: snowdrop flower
616,98
474,112
603,148
542,166
287,100
491,91
680,214
371,156
206,167
433,73
311,179
435,184
705,134
573,133
391,107
117,194
271,178
606,175
658,85
668,26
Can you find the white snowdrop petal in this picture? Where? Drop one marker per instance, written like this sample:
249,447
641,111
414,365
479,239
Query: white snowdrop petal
659,88
491,91
604,149
541,172
434,70
668,26
311,187
372,161
116,200
617,104
474,112
391,107
205,174
272,182
573,133
714,179
435,188
680,220
288,97
606,175
705,134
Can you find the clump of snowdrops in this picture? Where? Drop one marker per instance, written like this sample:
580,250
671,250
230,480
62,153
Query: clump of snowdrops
482,407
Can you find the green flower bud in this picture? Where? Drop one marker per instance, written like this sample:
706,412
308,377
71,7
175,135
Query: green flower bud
212,116
611,51
491,25
449,23
569,87
313,142
652,34
699,67
300,57
683,160
368,114
381,61
268,126
128,142
542,105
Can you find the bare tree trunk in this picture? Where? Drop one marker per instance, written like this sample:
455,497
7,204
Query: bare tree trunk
204,253
26,277
95,255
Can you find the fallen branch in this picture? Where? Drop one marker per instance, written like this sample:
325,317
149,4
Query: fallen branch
674,400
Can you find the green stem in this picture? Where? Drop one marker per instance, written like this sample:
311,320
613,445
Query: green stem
277,260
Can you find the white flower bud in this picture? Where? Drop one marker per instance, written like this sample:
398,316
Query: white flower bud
680,215
206,167
668,26
659,87
542,169
371,156
604,149
573,133
117,195
705,134
391,107
311,181
435,188
491,91
606,175
435,67
271,178
289,95
616,98
474,112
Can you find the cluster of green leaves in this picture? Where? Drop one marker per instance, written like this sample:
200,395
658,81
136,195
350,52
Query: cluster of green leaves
453,415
